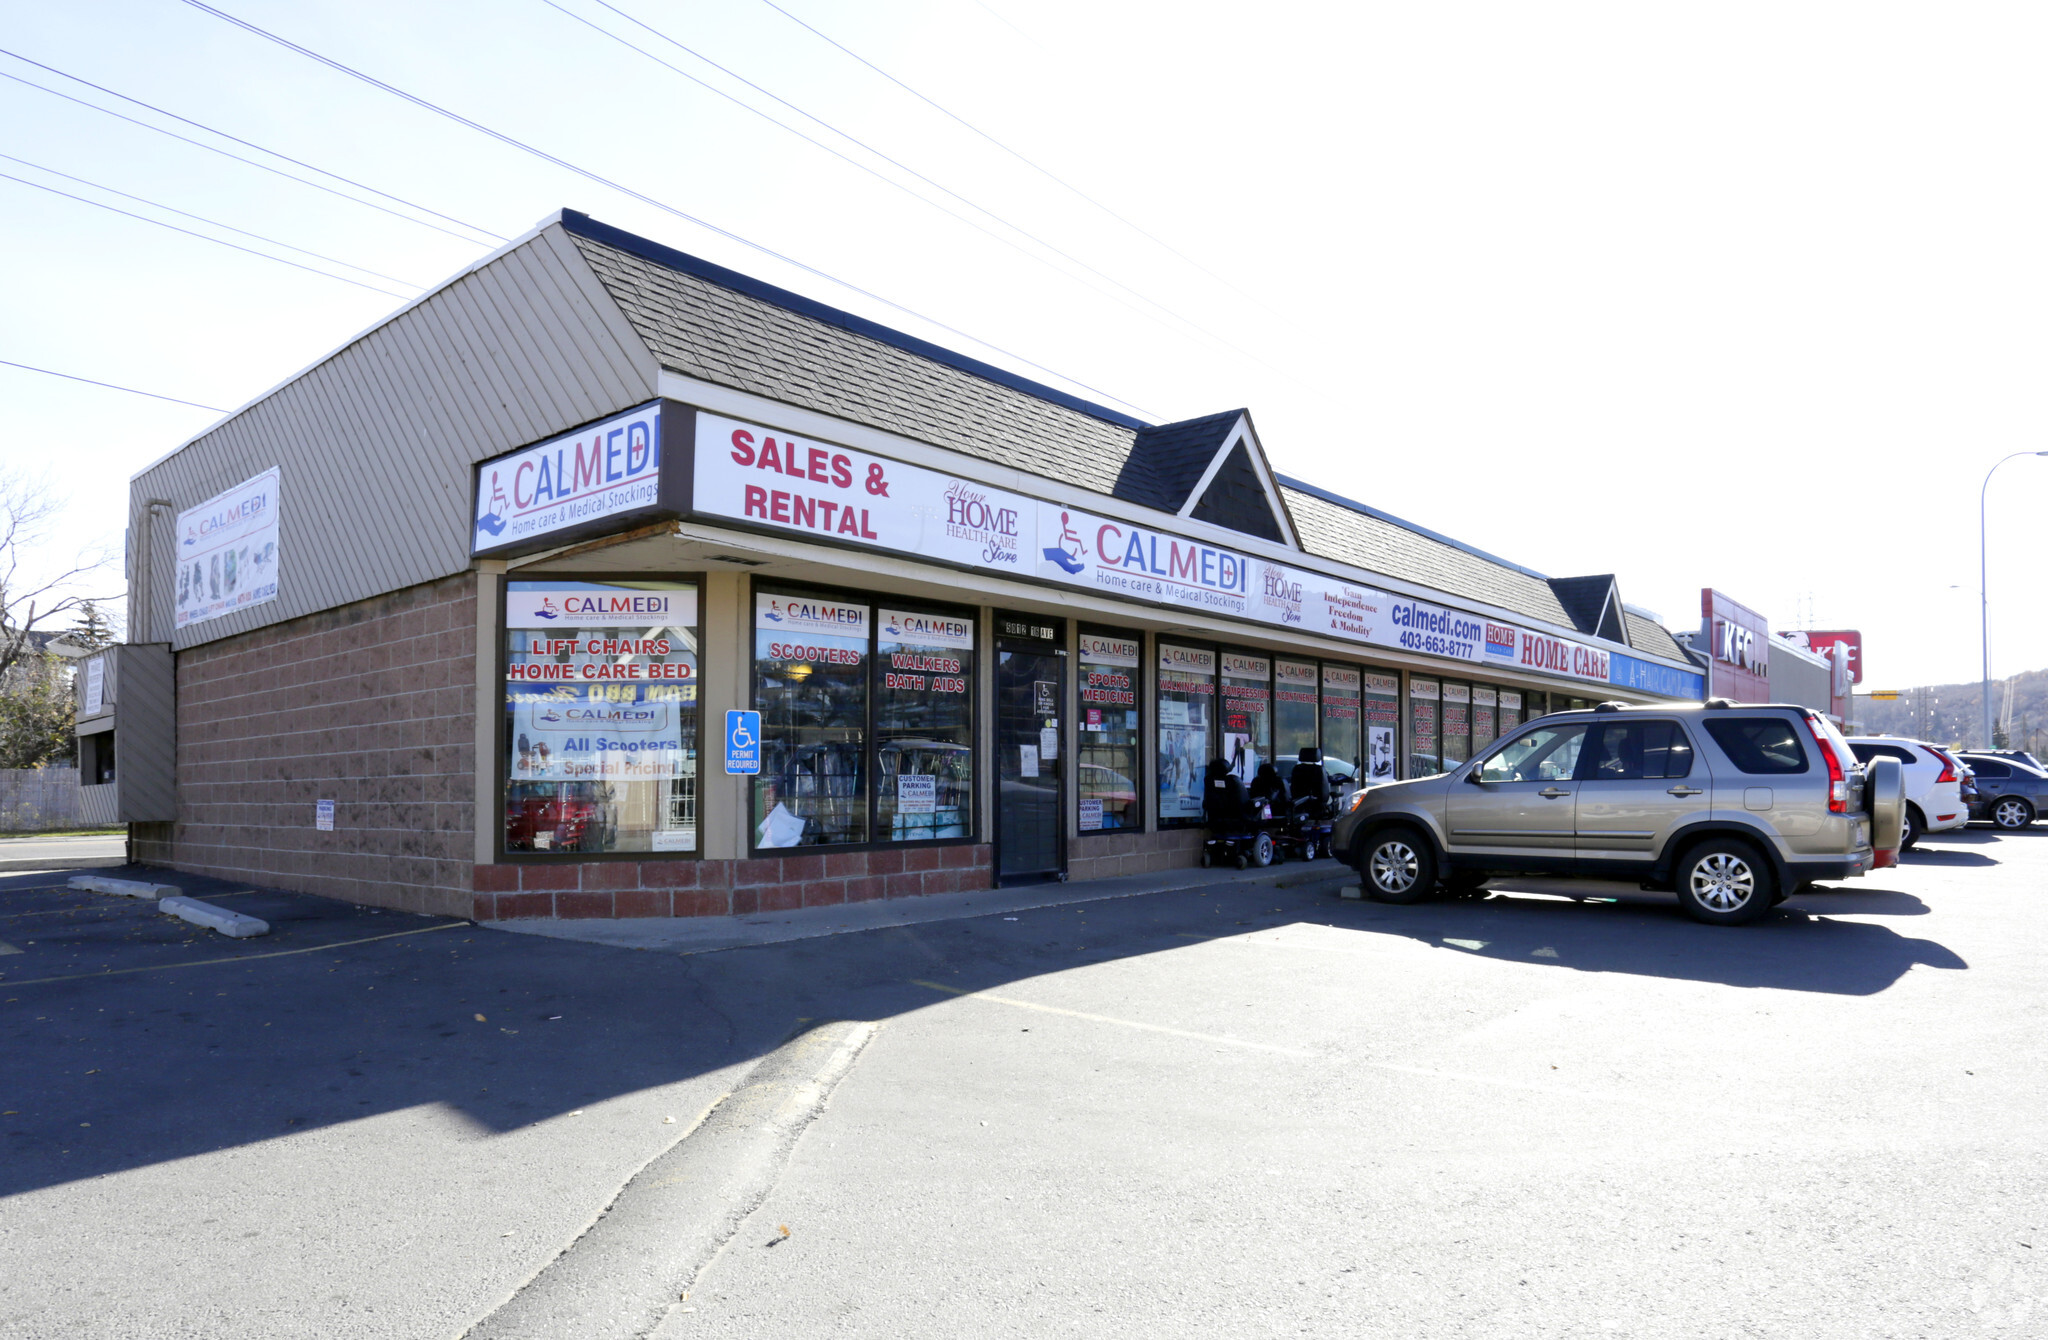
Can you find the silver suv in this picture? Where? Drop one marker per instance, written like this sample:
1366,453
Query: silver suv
1734,807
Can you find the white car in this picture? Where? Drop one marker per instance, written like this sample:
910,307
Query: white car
1934,788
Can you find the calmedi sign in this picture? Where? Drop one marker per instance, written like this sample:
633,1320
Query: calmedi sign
579,483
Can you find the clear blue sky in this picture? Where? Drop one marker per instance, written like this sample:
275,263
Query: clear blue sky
1742,297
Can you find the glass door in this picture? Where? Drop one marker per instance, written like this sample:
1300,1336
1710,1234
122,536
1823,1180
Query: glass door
1031,669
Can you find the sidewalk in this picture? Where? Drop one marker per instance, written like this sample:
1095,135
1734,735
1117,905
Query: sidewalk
704,935
32,852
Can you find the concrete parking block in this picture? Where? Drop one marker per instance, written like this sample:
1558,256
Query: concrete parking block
233,924
126,888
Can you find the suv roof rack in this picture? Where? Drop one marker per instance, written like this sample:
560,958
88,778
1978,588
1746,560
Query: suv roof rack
1609,707
1718,703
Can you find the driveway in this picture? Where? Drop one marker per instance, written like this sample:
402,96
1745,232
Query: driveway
1228,1109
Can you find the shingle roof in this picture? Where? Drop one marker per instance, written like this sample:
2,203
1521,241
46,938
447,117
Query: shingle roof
709,330
1167,462
1584,598
703,321
1328,529
1650,637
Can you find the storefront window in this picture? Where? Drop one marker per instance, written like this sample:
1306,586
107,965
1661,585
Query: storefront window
1382,713
1485,700
1340,724
1457,724
811,688
600,717
1534,704
1187,713
924,725
1107,758
1510,710
1424,758
1247,713
1295,709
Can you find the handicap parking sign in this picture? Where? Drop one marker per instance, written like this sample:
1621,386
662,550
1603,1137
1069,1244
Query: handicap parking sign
743,742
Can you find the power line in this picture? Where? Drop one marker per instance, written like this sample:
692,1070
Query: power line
216,223
51,372
1191,324
219,242
247,144
216,149
630,193
1048,174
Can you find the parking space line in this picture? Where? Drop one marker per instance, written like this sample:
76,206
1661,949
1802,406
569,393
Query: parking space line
1126,1023
1420,1072
239,958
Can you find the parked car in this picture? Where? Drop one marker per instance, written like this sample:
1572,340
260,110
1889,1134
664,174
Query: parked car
1733,808
1934,789
2009,793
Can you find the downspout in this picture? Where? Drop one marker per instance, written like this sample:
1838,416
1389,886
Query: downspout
139,611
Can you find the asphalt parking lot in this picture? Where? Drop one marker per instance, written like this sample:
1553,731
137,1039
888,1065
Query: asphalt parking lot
1240,1109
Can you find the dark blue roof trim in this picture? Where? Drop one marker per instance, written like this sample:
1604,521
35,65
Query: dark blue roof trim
633,244
1391,519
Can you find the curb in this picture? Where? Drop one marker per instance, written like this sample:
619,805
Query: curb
621,1277
234,925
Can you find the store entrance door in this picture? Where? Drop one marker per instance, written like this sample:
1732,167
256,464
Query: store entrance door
1031,683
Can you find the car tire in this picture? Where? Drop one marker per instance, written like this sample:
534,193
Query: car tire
1397,866
1263,850
1208,858
1725,882
2012,814
1911,827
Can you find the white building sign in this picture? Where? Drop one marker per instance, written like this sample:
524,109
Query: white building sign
570,482
771,479
227,552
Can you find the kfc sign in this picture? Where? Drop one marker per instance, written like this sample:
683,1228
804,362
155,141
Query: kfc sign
1849,639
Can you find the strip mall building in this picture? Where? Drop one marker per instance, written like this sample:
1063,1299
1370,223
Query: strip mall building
471,616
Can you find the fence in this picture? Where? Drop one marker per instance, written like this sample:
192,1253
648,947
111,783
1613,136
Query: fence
36,799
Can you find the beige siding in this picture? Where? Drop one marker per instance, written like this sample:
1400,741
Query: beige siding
376,443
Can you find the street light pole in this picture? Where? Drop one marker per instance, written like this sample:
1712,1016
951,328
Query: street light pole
1984,582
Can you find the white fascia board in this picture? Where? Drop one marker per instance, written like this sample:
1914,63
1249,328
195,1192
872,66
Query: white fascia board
1241,432
431,291
810,423
993,589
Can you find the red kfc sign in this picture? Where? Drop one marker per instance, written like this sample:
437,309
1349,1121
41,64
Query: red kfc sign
1825,644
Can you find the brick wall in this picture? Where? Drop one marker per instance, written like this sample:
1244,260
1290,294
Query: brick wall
724,888
372,706
1107,855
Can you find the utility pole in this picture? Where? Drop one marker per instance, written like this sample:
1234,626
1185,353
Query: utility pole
1984,582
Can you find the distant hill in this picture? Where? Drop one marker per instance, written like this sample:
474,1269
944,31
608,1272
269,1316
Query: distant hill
1954,713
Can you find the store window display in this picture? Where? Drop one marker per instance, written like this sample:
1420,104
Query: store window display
1107,760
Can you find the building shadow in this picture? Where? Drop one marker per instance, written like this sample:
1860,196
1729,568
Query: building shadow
173,1042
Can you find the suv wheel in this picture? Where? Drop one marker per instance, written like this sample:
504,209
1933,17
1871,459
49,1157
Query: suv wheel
2012,812
1725,882
1911,826
1398,867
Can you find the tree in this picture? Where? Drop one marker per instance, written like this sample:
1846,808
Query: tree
36,708
28,513
93,630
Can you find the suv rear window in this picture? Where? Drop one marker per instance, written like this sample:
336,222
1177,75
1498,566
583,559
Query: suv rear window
1759,744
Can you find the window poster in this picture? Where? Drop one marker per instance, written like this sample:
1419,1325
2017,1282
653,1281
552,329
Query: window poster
1382,707
924,724
811,680
601,716
1247,711
1106,745
1423,757
1342,759
1187,700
